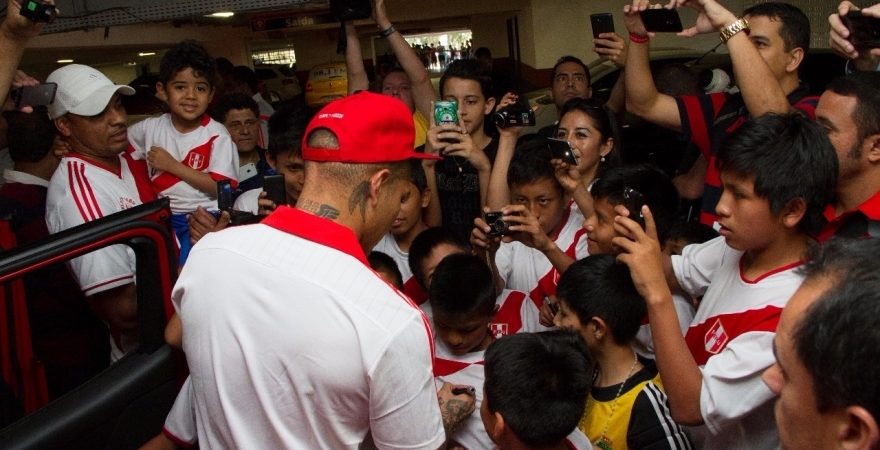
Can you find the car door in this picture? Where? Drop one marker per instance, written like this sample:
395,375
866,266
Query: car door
125,404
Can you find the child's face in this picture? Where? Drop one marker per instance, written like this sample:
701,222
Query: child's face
544,199
600,228
433,259
580,131
410,211
188,96
291,166
463,333
244,127
472,105
745,218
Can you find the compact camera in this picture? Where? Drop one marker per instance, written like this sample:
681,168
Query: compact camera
497,226
518,114
38,11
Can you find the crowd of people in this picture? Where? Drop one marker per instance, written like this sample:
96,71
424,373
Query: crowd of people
414,283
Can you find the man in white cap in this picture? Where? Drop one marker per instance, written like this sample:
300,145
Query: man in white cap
95,179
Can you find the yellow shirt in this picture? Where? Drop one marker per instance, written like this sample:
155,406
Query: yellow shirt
421,129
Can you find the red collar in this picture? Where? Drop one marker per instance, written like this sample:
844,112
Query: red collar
870,208
114,170
316,229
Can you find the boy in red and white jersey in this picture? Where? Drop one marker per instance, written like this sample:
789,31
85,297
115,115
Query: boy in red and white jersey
187,151
745,276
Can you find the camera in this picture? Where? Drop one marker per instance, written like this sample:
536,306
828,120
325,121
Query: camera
38,11
497,226
518,114
347,10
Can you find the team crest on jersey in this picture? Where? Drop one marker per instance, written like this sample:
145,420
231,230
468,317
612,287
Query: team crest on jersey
196,161
498,329
716,338
126,202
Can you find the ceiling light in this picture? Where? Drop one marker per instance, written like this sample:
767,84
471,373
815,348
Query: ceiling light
221,14
146,53
64,61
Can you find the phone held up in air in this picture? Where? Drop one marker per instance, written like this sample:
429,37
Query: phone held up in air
662,20
39,95
561,149
601,23
273,185
634,200
864,31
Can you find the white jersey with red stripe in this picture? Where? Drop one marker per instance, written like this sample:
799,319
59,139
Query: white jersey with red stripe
294,342
207,149
81,191
731,338
516,314
466,370
528,270
180,424
388,245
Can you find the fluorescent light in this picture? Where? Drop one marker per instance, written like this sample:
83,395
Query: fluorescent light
146,53
64,61
221,14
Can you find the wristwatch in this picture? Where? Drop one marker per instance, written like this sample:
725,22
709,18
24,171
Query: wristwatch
740,25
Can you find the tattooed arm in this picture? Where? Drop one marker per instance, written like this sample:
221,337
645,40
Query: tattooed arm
454,408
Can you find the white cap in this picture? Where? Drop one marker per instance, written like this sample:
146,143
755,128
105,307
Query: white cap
82,90
719,83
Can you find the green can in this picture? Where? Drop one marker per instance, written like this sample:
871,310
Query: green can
446,112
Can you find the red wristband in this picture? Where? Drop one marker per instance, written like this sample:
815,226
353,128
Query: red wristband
639,38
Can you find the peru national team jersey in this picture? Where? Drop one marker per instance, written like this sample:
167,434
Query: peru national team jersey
411,287
208,149
731,339
528,270
81,191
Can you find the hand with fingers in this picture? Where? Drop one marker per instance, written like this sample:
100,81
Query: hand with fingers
839,37
568,175
611,46
712,16
640,251
525,227
481,239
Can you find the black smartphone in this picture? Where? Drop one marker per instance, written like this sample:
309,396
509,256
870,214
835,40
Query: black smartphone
601,23
864,30
39,95
497,225
224,195
560,149
662,20
275,190
634,200
38,11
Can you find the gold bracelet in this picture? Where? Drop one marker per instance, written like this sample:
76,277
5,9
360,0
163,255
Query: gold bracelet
729,31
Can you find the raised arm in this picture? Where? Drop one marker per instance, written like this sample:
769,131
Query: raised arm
422,89
642,97
15,31
354,61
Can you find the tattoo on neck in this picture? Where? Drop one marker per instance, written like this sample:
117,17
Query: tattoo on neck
319,209
358,198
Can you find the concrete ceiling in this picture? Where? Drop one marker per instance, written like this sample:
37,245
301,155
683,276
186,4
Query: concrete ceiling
87,14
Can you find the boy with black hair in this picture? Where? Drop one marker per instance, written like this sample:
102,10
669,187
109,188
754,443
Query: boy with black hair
386,267
627,407
466,312
407,225
239,113
534,392
462,177
661,197
778,172
545,234
187,151
427,250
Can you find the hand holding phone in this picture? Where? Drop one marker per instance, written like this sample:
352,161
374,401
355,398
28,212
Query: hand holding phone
39,95
662,20
561,149
601,23
864,31
275,190
634,200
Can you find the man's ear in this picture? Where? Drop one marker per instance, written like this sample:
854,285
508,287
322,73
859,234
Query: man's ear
796,57
793,212
63,125
377,182
599,328
490,105
497,432
860,431
871,145
426,198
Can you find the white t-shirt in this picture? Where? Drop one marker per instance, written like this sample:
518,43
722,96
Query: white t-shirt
248,200
411,287
466,370
294,342
731,338
644,342
208,149
528,270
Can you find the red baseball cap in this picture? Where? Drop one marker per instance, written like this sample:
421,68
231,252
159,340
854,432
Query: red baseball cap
370,128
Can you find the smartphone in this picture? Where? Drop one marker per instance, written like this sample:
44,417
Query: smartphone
39,95
224,195
601,23
38,11
497,225
560,149
446,113
273,186
864,30
662,20
247,171
634,200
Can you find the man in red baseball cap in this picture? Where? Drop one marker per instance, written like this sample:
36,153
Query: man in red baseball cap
291,339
